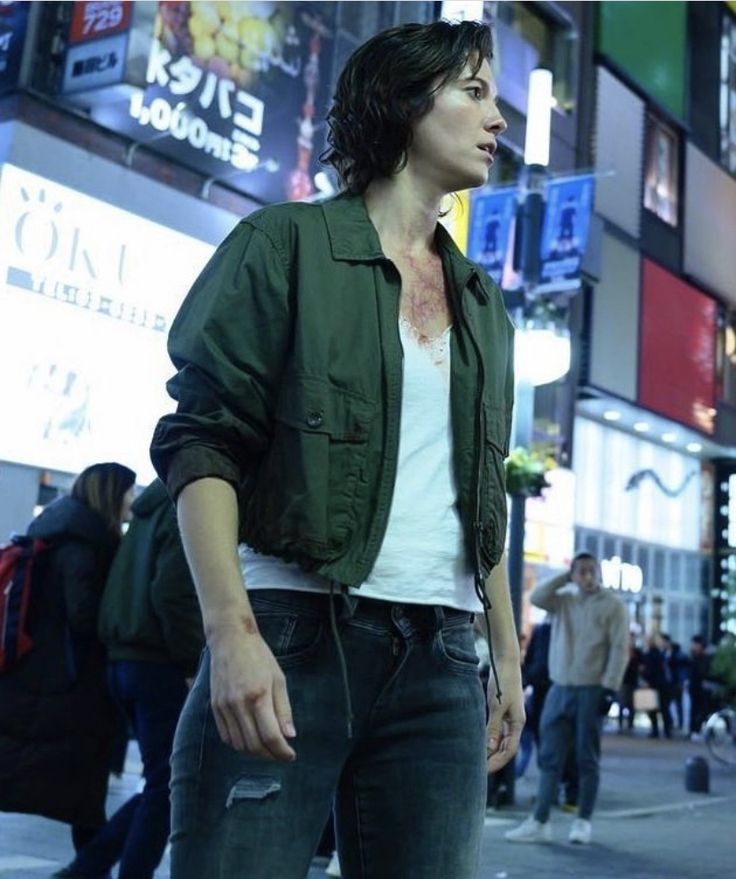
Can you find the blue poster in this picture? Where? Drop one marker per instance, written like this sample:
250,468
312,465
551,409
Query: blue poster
13,23
565,232
491,216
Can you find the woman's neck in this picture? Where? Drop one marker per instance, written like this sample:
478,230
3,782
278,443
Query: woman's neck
404,217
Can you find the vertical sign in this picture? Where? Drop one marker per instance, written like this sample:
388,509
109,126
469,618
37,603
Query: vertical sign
491,217
13,24
565,232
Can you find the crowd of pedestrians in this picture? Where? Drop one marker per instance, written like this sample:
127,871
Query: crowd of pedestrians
672,688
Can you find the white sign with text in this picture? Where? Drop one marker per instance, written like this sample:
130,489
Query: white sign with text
87,294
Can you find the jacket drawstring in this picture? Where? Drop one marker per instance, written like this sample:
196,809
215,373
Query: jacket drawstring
343,664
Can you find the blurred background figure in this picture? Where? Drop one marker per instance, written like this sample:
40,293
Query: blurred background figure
677,667
57,720
630,682
656,673
535,675
699,671
151,625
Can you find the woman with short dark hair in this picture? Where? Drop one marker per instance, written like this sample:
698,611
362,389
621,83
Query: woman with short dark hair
344,388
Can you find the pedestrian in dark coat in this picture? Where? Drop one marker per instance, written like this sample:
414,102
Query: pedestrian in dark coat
699,672
151,626
656,673
57,721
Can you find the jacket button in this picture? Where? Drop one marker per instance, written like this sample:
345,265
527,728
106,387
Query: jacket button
314,419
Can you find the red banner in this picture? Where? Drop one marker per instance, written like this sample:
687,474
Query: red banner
677,349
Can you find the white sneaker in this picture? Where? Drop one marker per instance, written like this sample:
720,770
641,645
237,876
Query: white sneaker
581,831
333,868
530,830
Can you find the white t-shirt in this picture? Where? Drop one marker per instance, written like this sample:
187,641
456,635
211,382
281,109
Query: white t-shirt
422,558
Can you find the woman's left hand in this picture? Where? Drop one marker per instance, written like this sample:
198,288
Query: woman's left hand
507,717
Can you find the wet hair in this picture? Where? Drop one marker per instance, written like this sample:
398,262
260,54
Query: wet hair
581,557
102,487
389,83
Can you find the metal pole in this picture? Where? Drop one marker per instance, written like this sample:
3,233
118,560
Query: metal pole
529,223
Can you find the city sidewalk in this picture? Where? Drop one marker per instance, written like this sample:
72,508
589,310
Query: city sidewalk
647,825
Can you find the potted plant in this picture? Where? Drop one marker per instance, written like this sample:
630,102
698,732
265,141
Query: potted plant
526,472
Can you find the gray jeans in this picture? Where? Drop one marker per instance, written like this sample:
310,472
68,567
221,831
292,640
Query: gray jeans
570,719
409,787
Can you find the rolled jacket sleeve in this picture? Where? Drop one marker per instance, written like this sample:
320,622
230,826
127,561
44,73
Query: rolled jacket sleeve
228,343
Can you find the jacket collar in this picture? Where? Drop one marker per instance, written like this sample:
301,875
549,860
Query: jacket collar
353,237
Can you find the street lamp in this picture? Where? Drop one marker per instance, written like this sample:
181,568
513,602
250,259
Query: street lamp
541,353
534,365
542,350
539,108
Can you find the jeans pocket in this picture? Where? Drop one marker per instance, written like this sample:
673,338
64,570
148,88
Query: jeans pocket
292,637
457,649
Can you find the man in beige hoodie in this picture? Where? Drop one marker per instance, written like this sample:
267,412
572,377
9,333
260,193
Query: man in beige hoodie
587,658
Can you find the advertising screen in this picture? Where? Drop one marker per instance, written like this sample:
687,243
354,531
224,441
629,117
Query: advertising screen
238,91
87,295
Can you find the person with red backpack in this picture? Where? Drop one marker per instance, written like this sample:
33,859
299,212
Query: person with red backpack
57,720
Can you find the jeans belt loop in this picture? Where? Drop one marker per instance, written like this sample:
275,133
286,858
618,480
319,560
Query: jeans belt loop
439,614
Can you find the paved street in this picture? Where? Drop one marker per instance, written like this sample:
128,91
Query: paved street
647,826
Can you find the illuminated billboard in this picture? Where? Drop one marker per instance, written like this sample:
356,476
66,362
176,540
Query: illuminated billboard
237,91
87,294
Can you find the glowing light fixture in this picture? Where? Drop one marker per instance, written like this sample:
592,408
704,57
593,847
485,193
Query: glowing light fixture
669,437
542,354
641,427
538,120
694,447
612,415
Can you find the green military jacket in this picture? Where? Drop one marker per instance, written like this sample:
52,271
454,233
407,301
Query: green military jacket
289,386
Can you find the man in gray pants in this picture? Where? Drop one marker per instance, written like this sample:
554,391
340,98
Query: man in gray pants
587,658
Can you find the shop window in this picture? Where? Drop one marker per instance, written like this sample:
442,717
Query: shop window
726,358
609,548
673,620
692,574
727,97
525,38
661,172
658,573
675,572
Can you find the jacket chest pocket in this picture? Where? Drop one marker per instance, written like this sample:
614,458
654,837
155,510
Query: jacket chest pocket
313,477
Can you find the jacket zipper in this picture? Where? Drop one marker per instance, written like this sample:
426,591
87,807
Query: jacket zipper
480,575
479,439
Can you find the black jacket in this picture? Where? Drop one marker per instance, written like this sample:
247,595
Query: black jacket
57,721
149,610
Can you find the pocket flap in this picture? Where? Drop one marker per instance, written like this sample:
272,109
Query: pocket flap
316,406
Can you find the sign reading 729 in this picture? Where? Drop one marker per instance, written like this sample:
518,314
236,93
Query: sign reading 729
99,19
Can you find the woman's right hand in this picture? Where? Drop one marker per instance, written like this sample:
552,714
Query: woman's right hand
248,693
